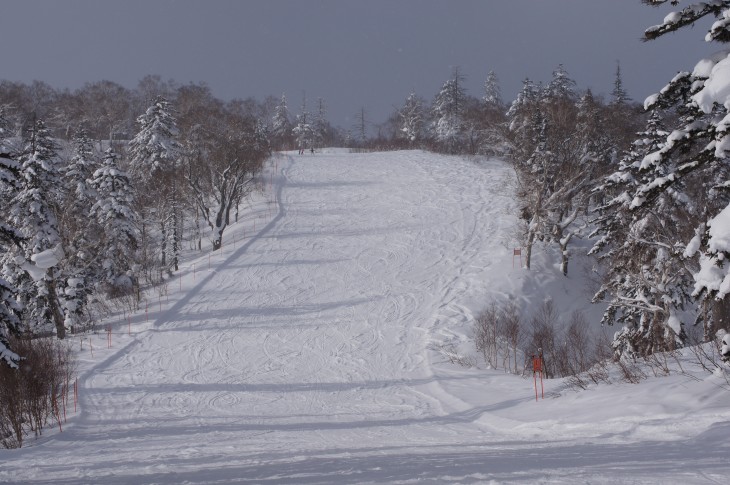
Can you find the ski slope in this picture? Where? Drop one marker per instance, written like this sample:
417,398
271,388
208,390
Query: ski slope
307,352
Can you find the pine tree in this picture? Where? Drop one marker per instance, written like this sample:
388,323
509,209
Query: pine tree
448,109
33,211
561,86
155,153
492,92
79,233
303,131
411,119
10,241
281,127
691,167
113,212
619,96
646,284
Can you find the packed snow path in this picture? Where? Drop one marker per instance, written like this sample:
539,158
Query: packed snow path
306,354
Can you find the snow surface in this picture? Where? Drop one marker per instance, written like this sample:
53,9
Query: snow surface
306,352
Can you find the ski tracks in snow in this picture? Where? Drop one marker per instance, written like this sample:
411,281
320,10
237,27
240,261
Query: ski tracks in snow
314,337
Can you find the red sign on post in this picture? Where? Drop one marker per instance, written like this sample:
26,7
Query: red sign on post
517,252
537,368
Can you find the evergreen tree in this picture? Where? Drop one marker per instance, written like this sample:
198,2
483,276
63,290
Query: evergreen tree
113,212
79,233
155,153
281,127
691,167
621,126
448,109
303,131
33,211
561,86
646,285
618,94
411,120
10,241
492,92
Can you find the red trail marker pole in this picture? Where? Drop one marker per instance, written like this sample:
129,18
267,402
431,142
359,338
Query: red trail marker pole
537,368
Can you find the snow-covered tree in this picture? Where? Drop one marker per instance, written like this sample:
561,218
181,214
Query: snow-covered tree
154,150
155,153
492,91
410,118
303,130
691,166
10,241
447,110
33,271
561,86
79,233
619,96
646,284
554,161
281,126
114,212
591,128
223,166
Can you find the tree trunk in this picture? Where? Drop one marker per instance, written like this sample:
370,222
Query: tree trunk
53,303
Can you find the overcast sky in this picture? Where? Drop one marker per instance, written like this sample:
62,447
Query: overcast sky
352,53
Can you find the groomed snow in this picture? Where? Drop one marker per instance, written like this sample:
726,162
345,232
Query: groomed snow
307,354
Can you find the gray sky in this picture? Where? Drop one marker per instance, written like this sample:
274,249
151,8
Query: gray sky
352,53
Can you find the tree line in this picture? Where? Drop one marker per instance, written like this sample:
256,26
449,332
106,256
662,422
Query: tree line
95,200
